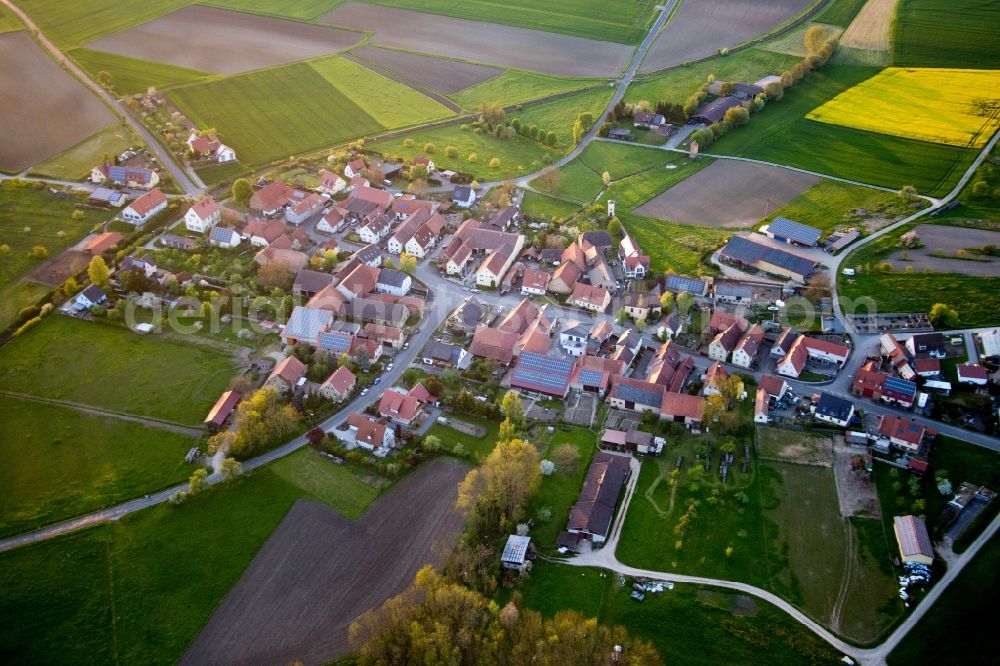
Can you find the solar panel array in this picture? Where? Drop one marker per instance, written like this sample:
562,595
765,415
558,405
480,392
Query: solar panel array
630,393
794,231
547,374
683,283
900,385
335,342
590,377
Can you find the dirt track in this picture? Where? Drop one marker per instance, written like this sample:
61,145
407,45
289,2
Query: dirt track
319,571
728,193
447,76
483,42
701,27
225,42
43,109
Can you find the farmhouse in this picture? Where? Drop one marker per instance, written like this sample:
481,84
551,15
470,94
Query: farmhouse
913,540
287,375
89,297
540,373
338,386
713,111
589,297
534,282
137,178
833,409
903,433
330,182
142,209
387,336
203,215
683,408
271,198
648,120
223,407
515,553
564,278
590,518
791,232
305,208
745,252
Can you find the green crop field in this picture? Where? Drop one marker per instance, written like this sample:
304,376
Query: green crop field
839,12
132,75
781,134
515,87
138,591
827,205
65,359
689,624
62,463
336,485
681,248
594,19
76,162
214,174
391,104
300,9
513,153
273,113
559,115
70,24
928,33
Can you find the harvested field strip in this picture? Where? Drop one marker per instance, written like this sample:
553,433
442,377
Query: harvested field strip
584,18
871,28
413,86
390,103
481,42
446,76
516,87
700,29
225,42
131,75
275,113
70,24
43,109
958,107
960,33
300,9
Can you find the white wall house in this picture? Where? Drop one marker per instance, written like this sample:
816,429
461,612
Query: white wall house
203,215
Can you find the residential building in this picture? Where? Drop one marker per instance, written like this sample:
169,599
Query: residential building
367,432
399,407
534,282
272,198
387,336
931,345
304,208
136,178
641,305
332,222
969,373
330,182
834,409
564,278
634,263
338,386
574,337
90,297
355,168
636,395
774,387
745,352
632,440
203,215
715,373
142,209
224,237
541,373
375,229
588,297
725,342
903,433
262,233
391,281
463,196
287,375
211,147
761,407
683,408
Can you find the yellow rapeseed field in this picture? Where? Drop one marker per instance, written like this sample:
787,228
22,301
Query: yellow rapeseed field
958,107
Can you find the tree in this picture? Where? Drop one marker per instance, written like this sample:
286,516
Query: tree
242,191
551,139
495,162
667,302
429,147
507,431
621,315
614,227
684,302
980,189
197,482
908,192
362,357
104,78
496,492
407,263
260,420
737,116
98,271
472,157
774,90
547,467
943,316
418,172
230,469
38,252
512,408
492,113
276,274
565,457
451,151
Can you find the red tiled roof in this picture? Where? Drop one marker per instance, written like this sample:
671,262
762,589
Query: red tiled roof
399,406
205,207
148,201
291,370
493,343
967,370
342,380
897,427
683,405
222,409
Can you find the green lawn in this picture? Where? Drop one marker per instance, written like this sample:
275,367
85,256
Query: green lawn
391,104
132,75
515,87
827,205
627,23
781,134
159,574
560,491
681,248
479,447
966,609
74,23
62,463
273,113
689,624
539,205
580,182
336,485
215,174
112,367
559,115
512,153
8,21
76,162
957,34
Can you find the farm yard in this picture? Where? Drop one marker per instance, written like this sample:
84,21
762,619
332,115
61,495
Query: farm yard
699,29
487,43
947,249
728,193
65,358
446,76
132,75
963,33
282,609
43,109
936,105
225,42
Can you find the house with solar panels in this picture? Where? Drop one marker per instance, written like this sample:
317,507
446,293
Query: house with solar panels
791,232
138,178
743,252
678,283
539,373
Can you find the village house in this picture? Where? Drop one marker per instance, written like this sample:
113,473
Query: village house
262,233
715,373
146,265
426,237
534,282
632,440
90,297
494,344
648,120
391,281
834,409
463,196
400,408
203,215
574,338
588,297
564,278
969,373
375,229
467,316
404,232
387,336
301,211
761,407
369,255
338,385
271,199
355,168
634,262
224,237
142,209
923,345
683,408
308,282
745,352
330,182
136,178
211,147
670,327
288,375
641,305
367,432
725,342
332,222
805,348
903,433
102,196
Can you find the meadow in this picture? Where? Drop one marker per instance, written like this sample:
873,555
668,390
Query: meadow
273,113
935,105
132,75
781,134
62,463
827,205
65,359
389,103
76,162
539,205
928,33
8,21
140,589
559,115
627,24
478,447
300,9
516,87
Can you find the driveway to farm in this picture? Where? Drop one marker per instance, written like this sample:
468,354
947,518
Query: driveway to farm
186,180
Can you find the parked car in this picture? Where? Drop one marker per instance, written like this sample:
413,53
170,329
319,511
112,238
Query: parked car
638,596
364,392
378,380
388,367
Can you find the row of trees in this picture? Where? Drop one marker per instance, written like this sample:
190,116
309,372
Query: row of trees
261,420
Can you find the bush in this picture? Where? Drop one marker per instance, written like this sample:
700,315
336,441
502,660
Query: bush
429,147
472,157
495,162
408,143
451,151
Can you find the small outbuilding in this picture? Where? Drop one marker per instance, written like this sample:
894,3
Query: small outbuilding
515,553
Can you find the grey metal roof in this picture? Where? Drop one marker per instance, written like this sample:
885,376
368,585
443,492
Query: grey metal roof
546,374
746,251
392,277
834,407
306,323
516,549
793,231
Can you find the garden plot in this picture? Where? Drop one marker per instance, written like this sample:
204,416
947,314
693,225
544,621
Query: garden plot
319,571
43,109
447,76
483,42
950,250
699,29
728,193
225,42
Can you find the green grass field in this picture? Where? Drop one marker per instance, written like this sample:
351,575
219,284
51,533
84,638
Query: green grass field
580,182
674,246
560,491
839,12
8,21
958,34
132,75
583,18
139,590
689,624
301,9
559,115
76,162
72,24
827,204
65,359
539,205
479,447
515,87
273,113
336,485
781,134
62,463
512,153
214,174
391,104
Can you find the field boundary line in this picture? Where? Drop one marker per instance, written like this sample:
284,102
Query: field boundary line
393,75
